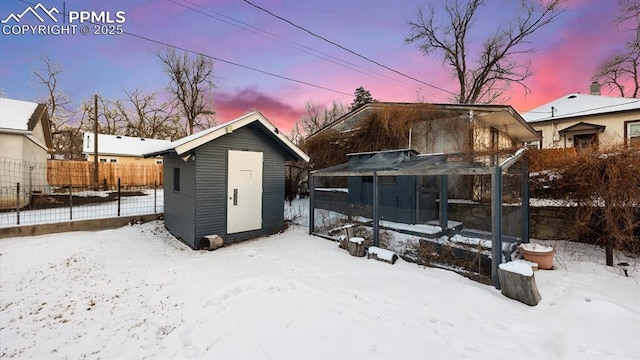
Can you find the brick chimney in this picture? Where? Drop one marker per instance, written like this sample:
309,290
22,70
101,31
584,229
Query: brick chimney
595,88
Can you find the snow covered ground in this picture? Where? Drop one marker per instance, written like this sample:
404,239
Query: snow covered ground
136,292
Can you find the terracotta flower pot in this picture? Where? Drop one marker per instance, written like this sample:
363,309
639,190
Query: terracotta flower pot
539,254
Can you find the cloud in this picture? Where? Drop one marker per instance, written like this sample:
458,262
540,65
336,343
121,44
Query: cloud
235,104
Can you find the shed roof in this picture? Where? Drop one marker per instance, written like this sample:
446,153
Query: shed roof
193,141
121,145
576,105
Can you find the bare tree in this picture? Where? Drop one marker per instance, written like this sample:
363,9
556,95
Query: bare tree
483,75
143,116
191,82
58,103
110,121
629,10
620,72
315,119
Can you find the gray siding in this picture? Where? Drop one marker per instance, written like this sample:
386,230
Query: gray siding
211,180
179,206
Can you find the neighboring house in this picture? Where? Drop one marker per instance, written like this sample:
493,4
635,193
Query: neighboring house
435,128
445,128
122,149
583,121
25,141
227,181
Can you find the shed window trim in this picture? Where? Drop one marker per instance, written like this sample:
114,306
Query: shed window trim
176,179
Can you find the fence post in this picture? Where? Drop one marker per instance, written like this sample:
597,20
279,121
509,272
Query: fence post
155,196
18,203
70,201
118,196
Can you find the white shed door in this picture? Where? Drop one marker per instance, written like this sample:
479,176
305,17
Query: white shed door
244,188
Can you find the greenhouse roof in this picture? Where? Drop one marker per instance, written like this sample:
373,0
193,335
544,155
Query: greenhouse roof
408,162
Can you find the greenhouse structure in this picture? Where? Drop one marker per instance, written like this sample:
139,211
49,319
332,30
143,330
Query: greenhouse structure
474,202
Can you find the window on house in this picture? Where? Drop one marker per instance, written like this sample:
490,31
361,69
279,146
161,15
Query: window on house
103,160
538,143
113,160
585,141
495,137
158,161
176,179
634,134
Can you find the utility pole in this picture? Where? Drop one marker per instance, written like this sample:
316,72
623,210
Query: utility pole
95,142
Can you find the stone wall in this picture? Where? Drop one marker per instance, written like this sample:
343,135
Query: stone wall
552,223
545,223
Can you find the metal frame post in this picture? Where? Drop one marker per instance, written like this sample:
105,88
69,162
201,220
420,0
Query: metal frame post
312,202
18,203
524,172
155,196
118,196
496,224
444,203
376,210
70,201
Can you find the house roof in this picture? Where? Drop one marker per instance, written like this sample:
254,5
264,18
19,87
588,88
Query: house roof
576,105
119,145
193,141
21,117
16,114
499,116
582,126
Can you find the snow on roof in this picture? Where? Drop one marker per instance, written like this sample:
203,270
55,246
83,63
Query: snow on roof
574,105
121,145
15,114
192,141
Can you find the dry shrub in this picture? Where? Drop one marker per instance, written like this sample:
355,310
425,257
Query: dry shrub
547,159
606,187
385,128
470,263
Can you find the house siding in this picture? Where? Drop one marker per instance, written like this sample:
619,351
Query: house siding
18,155
612,135
179,206
211,180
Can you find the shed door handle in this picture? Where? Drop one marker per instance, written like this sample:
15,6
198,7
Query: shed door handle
235,197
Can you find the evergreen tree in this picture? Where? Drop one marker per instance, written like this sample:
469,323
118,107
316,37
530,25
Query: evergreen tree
361,97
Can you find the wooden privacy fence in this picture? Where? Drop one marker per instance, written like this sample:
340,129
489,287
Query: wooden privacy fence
80,173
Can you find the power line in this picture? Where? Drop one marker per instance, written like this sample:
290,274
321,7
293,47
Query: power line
347,49
235,64
219,59
281,40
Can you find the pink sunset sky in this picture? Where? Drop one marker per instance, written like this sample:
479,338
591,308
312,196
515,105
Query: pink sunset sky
233,31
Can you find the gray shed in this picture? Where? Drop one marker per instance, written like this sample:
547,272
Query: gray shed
227,181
